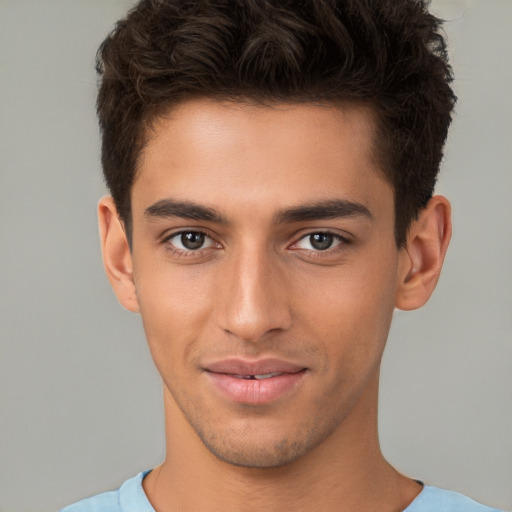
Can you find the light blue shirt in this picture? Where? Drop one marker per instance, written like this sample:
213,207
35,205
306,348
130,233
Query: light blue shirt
130,497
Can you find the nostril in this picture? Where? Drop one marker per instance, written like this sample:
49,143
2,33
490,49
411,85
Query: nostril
251,304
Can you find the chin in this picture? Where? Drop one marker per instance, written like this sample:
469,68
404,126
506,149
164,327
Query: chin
266,455
265,445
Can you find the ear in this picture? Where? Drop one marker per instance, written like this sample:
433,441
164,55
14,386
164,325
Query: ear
117,257
422,259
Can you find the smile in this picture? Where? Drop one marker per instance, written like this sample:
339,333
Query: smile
254,382
258,377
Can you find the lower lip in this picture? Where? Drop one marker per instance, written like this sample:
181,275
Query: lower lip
254,391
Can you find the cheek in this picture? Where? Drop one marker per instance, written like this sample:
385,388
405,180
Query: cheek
174,310
349,295
349,311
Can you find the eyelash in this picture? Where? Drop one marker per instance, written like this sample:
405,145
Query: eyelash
181,253
343,241
190,253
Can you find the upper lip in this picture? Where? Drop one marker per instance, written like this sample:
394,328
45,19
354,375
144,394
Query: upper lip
237,366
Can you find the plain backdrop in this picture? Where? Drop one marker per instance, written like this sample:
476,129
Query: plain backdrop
80,401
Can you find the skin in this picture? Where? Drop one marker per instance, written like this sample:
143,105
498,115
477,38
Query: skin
258,287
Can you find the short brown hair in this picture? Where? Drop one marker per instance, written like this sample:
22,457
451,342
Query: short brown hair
388,54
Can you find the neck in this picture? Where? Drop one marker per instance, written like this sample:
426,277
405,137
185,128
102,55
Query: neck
345,473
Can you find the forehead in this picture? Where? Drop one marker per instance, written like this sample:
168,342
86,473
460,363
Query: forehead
228,153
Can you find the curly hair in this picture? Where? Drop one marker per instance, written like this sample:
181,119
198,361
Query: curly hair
389,54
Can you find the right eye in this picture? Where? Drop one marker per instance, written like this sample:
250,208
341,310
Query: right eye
189,241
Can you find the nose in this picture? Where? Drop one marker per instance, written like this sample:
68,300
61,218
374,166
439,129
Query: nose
253,300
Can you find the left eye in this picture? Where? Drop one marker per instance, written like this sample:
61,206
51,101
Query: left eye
191,241
319,241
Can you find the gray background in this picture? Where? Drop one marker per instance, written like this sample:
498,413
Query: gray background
80,399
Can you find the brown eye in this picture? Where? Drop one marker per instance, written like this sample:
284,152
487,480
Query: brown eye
320,241
192,240
187,241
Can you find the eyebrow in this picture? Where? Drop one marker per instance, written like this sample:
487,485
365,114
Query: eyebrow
183,209
329,209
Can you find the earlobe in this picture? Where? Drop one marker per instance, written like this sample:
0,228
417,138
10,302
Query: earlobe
422,258
117,258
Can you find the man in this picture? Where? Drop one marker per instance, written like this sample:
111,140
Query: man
272,166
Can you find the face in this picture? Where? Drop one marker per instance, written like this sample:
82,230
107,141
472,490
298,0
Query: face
265,269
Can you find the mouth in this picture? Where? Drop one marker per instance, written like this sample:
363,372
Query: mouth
258,377
254,382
